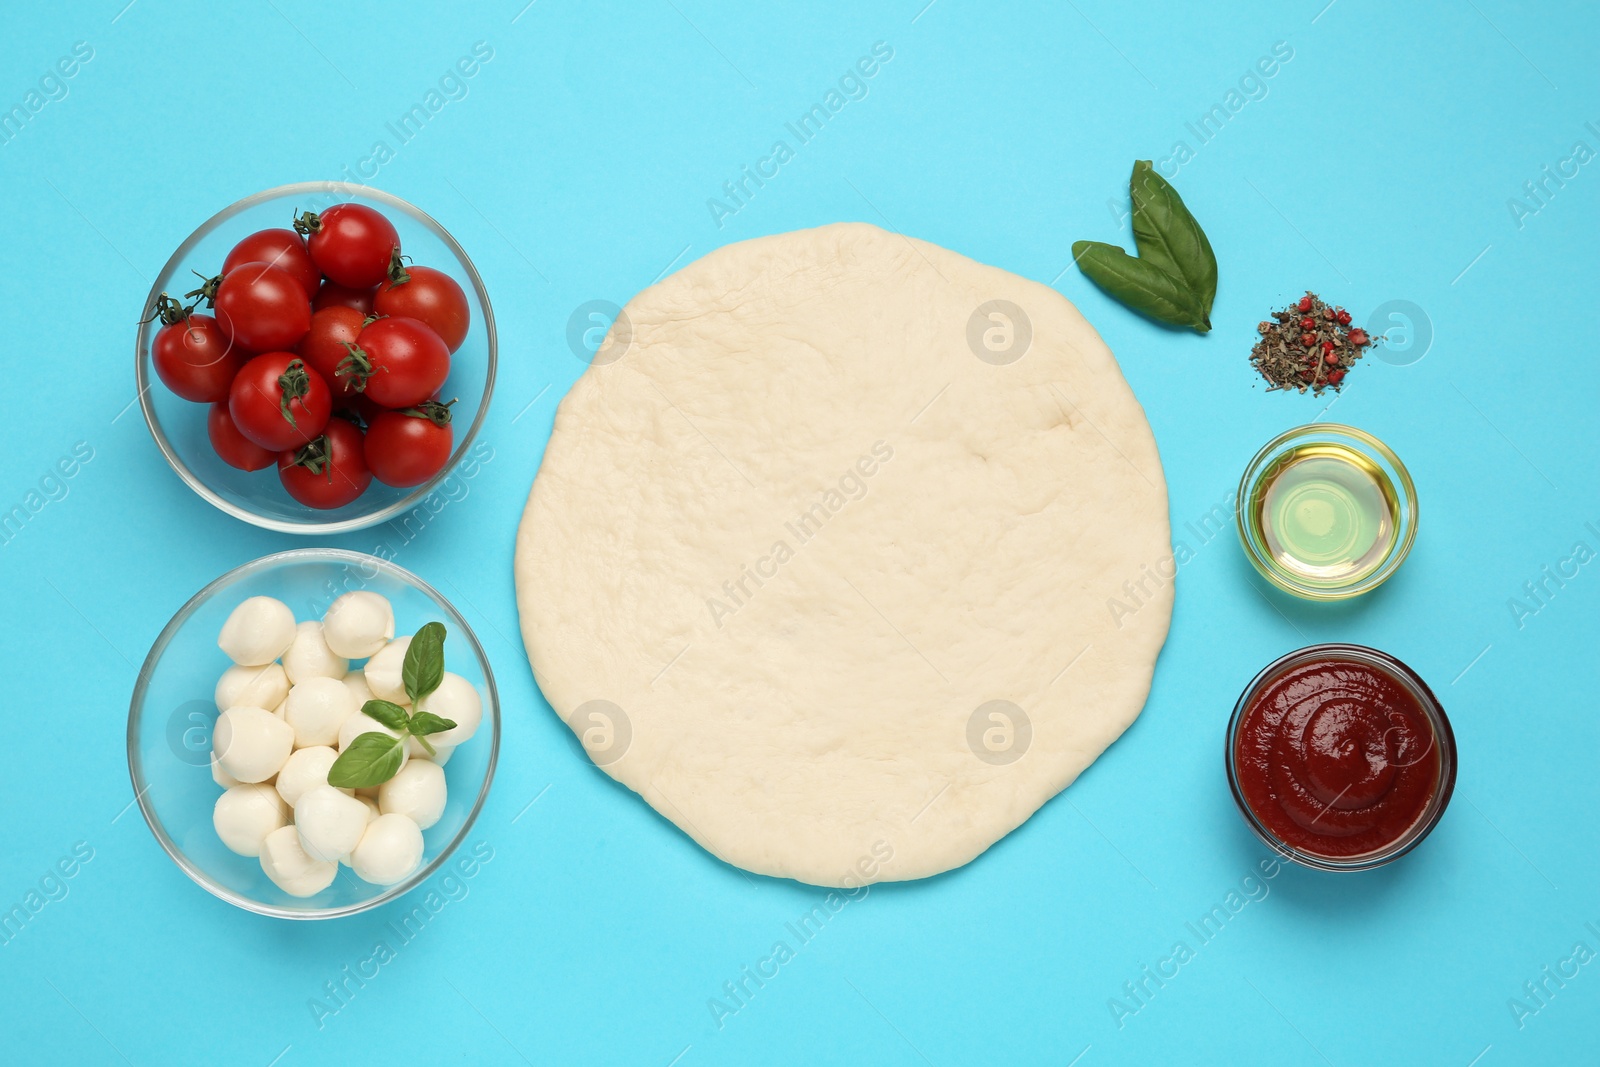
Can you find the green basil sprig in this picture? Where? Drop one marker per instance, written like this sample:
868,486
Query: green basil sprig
373,758
1174,278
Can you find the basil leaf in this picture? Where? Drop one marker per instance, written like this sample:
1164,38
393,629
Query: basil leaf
425,722
371,759
1141,286
1168,237
1174,278
389,714
424,666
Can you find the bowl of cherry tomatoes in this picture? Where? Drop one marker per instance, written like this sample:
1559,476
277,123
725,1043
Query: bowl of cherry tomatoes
316,358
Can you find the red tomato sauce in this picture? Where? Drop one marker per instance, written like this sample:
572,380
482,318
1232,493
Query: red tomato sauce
1336,757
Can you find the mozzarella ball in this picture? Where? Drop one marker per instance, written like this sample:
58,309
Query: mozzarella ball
282,710
359,724
254,687
251,744
358,624
316,708
310,656
382,671
440,755
304,770
330,822
356,682
458,701
417,792
246,814
220,776
390,849
258,632
372,813
291,868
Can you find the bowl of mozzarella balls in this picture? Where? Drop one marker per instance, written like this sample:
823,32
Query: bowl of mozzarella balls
313,734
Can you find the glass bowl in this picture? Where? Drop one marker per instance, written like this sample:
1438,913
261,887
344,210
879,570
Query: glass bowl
179,426
1443,735
1378,469
171,717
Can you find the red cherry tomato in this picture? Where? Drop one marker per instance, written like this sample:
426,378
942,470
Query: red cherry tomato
332,294
278,402
262,307
328,472
406,448
283,249
235,448
191,354
431,297
323,347
399,362
351,243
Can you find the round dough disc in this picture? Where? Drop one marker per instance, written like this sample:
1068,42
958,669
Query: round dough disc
826,557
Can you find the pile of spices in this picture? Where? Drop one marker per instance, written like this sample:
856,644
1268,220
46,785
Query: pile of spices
1308,345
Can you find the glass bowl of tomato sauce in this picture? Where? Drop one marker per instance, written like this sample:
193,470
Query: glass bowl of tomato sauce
1340,757
179,426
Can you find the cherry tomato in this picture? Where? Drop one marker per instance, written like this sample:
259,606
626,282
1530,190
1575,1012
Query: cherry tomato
235,448
283,249
329,471
351,243
191,354
399,362
278,402
332,294
262,307
406,448
323,347
431,297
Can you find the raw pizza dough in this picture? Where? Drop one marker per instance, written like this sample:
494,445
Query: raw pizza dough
821,558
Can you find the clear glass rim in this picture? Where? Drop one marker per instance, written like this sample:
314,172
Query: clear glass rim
142,370
136,713
1443,734
1263,562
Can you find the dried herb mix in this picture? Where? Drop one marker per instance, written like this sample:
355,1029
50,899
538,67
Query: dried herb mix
1308,345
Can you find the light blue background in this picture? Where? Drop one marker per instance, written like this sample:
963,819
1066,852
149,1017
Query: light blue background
1377,166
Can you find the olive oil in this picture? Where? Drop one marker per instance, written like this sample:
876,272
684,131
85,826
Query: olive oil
1326,513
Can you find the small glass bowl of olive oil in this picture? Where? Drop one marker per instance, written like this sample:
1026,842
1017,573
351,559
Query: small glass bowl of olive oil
1327,511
